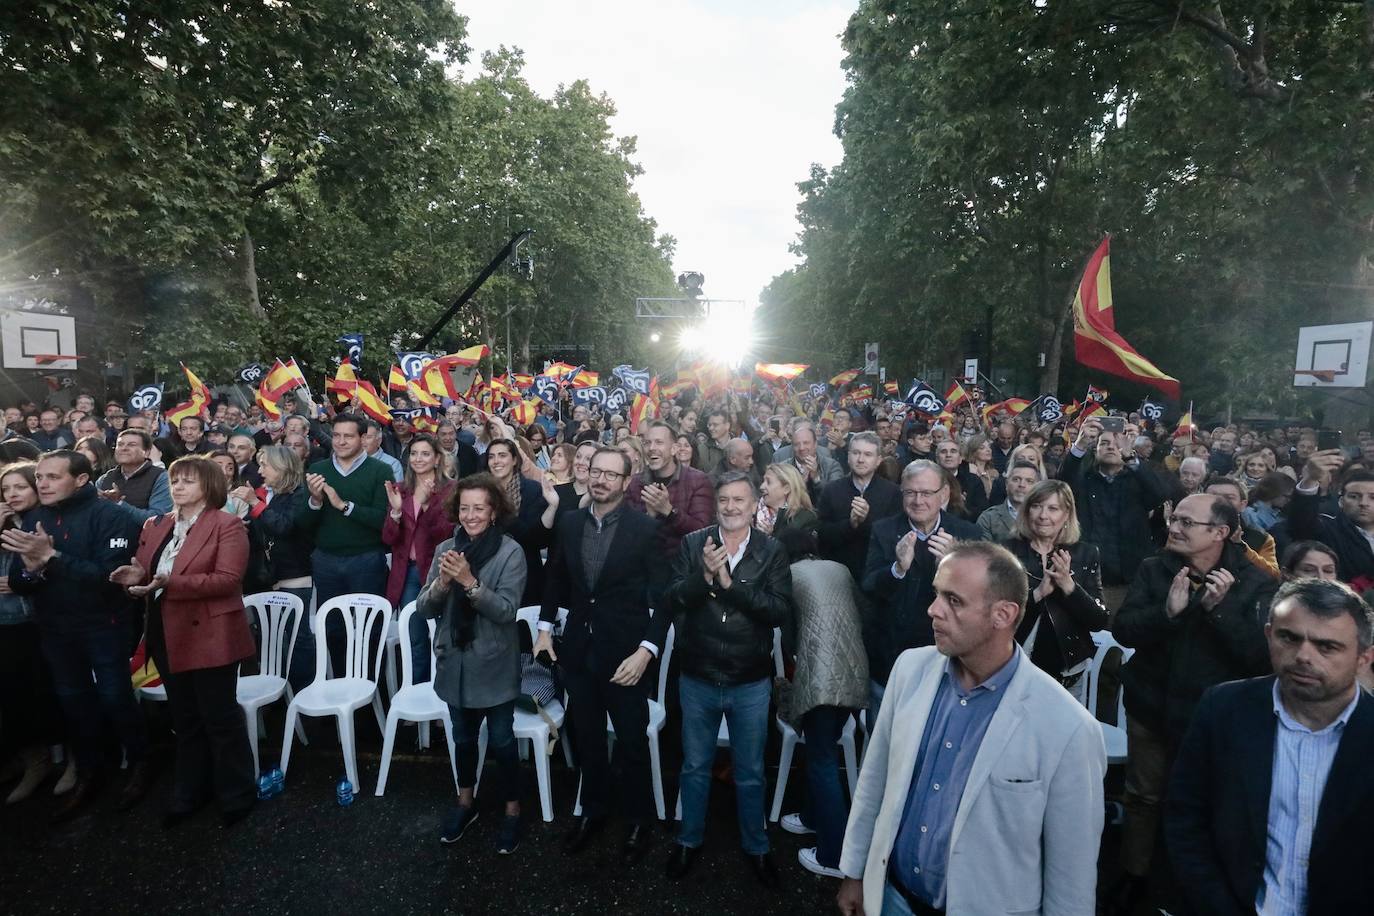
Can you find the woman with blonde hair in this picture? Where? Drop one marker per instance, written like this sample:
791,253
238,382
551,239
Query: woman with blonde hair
1065,577
784,502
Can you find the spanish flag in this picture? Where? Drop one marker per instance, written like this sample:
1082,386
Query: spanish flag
198,388
642,410
343,382
1095,341
522,380
844,378
673,389
523,413
371,403
267,400
180,412
1185,425
395,382
955,396
279,380
891,388
585,378
468,357
779,372
559,370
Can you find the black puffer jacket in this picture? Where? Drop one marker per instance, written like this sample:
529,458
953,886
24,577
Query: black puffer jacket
725,635
93,538
1176,659
1115,513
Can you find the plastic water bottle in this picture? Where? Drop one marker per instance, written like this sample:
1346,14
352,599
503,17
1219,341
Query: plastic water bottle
278,781
344,792
265,786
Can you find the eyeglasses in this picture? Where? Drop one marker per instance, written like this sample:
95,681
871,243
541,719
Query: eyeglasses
921,494
1188,524
602,473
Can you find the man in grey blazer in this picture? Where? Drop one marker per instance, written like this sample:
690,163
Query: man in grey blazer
981,791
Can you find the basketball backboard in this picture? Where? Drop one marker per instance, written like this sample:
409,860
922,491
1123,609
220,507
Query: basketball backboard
32,340
1333,355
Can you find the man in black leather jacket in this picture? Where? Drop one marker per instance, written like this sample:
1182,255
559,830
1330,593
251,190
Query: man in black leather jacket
731,586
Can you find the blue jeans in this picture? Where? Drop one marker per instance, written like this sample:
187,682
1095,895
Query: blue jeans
336,575
419,626
745,707
825,810
467,727
91,704
302,670
894,904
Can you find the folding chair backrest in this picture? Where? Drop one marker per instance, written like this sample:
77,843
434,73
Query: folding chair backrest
279,618
362,616
663,660
779,669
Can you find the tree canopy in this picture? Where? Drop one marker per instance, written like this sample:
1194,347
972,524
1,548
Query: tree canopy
990,144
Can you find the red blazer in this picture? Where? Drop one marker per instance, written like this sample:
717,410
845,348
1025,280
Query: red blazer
203,619
424,533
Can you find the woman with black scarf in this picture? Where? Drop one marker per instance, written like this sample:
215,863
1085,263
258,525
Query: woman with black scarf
474,587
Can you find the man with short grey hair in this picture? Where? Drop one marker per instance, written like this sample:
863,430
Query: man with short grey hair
1191,473
899,573
816,467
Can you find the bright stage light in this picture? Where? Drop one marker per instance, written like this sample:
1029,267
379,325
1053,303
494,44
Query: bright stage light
725,337
655,337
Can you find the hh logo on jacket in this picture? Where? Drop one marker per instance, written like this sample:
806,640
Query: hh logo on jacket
118,543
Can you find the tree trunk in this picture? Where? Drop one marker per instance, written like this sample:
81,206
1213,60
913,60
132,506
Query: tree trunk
1052,344
248,268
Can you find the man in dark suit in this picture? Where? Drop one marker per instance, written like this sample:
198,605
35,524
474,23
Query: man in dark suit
848,507
600,573
1272,795
899,574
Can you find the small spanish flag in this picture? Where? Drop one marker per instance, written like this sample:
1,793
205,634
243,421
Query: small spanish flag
371,403
779,372
845,377
523,413
468,357
955,396
198,388
180,412
343,383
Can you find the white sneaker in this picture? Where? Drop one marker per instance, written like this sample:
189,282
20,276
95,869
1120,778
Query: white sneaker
807,858
792,823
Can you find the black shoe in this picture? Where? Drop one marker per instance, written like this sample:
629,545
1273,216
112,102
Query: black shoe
577,839
636,844
456,823
86,791
765,870
140,780
509,840
680,860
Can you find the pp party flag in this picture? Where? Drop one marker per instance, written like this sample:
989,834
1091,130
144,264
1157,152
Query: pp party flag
617,398
844,378
1095,340
198,388
409,414
779,372
589,396
353,348
1097,394
636,380
924,400
149,397
819,389
413,363
546,389
1151,410
1048,409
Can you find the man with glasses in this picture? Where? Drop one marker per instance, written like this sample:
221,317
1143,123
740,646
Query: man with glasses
599,571
1195,615
899,574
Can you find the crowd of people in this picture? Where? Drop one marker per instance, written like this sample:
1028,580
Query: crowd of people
957,591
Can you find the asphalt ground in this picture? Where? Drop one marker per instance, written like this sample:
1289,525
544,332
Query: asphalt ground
300,852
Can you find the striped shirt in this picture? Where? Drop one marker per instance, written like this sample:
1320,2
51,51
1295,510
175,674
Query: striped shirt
1302,761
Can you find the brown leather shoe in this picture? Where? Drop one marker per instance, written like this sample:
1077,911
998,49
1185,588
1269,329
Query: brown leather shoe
138,783
87,788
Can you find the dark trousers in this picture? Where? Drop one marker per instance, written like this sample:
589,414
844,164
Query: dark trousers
90,672
213,754
825,810
591,697
336,575
29,714
467,726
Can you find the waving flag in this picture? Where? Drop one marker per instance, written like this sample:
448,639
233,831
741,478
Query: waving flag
546,389
1048,409
673,389
198,388
267,399
279,380
413,364
191,408
372,403
779,372
641,411
924,400
343,383
636,380
891,388
353,348
1095,340
522,380
504,388
148,397
589,396
1185,425
1097,394
560,370
468,357
396,382
524,412
955,395
1151,410
583,378
844,378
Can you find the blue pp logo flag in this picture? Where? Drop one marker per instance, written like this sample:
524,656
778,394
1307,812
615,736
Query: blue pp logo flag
818,390
353,348
589,396
546,389
617,399
924,400
637,380
149,397
413,364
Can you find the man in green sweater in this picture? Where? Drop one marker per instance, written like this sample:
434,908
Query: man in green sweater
345,512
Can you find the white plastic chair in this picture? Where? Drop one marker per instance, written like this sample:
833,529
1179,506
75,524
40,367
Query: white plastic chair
279,618
790,740
414,702
532,727
658,717
1114,736
342,695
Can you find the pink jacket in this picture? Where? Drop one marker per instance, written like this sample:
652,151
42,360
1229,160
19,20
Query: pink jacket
422,533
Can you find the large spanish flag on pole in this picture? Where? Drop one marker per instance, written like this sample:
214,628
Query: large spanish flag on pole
1095,341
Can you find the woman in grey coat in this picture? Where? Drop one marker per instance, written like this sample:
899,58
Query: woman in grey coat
830,682
474,587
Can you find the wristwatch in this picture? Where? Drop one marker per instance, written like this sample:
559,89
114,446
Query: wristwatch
473,588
